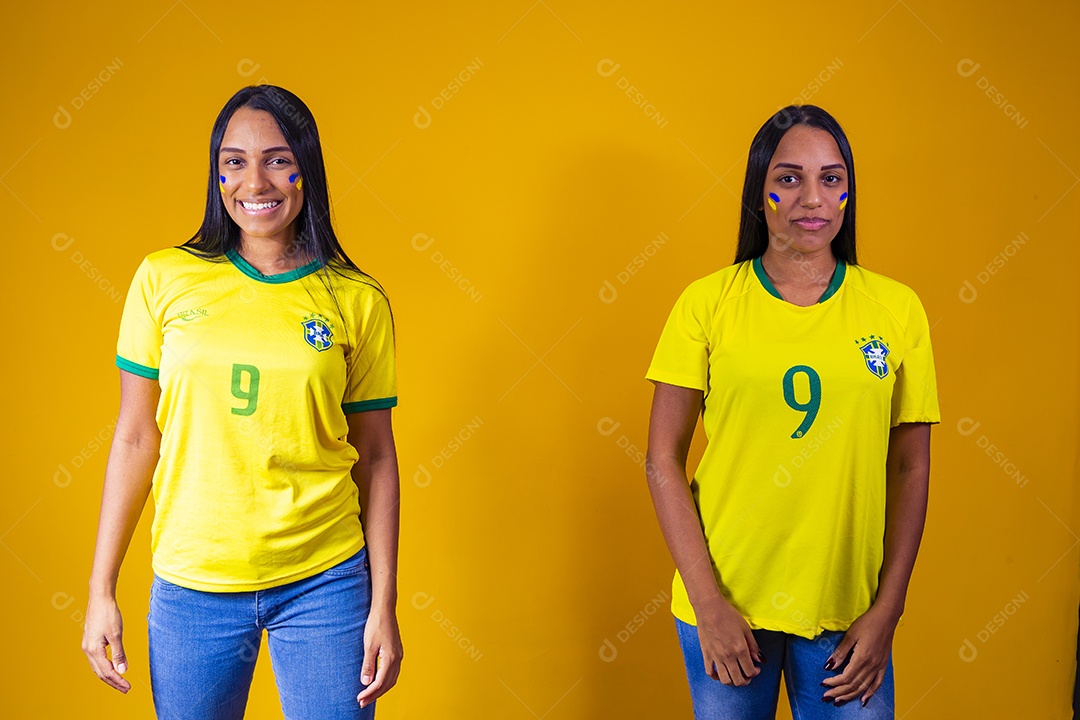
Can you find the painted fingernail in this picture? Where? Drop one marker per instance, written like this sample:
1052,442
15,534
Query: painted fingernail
761,656
824,685
829,665
826,699
866,700
838,703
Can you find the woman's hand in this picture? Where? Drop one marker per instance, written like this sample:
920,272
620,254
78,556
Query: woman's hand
869,640
728,647
382,642
128,476
104,628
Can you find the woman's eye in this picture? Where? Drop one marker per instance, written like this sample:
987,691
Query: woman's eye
231,161
787,179
279,161
833,178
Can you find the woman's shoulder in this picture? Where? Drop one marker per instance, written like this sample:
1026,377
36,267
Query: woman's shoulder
879,286
725,283
171,262
355,284
178,256
896,297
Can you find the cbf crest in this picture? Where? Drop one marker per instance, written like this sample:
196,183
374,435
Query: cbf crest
875,350
318,332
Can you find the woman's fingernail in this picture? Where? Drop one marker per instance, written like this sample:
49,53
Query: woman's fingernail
761,656
829,664
865,701
826,699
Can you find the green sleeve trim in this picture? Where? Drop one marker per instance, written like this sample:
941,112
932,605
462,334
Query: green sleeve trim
362,405
137,369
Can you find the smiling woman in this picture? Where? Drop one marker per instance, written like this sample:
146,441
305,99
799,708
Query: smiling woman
258,180
257,380
265,152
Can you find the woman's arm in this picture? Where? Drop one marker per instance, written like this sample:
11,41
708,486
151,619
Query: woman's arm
128,477
728,646
376,478
907,477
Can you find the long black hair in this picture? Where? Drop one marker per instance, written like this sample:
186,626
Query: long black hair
753,232
315,236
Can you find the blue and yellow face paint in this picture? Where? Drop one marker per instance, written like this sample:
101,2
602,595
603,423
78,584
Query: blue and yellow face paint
843,201
221,182
295,178
773,200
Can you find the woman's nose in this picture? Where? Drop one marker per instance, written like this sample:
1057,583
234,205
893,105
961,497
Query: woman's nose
255,180
811,198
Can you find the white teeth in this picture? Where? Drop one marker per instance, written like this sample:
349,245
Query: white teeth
259,206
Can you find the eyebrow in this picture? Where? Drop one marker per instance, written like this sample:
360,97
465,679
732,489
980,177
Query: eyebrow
279,148
793,166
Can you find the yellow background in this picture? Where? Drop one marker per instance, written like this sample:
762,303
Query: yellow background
530,547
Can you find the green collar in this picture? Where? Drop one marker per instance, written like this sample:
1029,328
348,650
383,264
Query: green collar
295,274
834,284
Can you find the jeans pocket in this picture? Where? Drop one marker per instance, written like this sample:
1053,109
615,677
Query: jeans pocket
355,565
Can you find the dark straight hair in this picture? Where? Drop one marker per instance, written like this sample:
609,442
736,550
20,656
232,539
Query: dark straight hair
315,237
753,232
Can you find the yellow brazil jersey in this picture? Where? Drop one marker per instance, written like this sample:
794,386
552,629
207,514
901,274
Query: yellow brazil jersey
253,487
799,402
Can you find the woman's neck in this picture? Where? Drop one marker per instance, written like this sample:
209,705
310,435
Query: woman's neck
800,278
272,256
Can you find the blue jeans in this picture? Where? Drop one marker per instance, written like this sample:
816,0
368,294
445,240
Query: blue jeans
802,662
203,646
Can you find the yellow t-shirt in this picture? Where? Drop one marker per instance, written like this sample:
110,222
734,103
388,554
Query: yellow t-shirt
799,402
253,488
